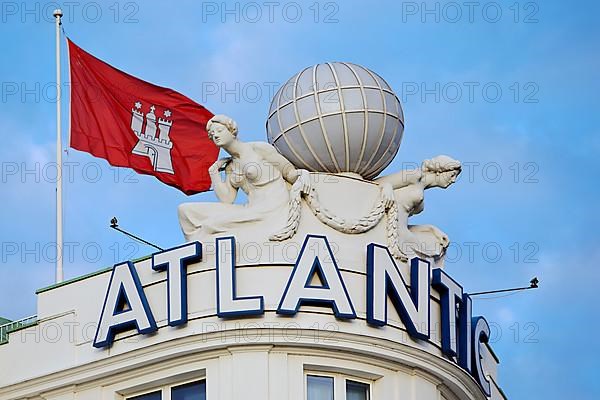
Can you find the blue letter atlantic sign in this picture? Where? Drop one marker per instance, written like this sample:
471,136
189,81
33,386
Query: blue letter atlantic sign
126,306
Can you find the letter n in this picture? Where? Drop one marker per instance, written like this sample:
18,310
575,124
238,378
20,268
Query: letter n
384,280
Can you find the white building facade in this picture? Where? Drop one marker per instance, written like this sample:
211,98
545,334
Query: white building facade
321,316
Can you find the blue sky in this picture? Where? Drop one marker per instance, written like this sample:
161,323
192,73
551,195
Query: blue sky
527,133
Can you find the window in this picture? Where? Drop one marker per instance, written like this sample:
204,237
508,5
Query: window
357,390
335,387
148,396
188,391
319,387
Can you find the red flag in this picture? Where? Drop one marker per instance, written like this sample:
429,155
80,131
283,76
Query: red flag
133,123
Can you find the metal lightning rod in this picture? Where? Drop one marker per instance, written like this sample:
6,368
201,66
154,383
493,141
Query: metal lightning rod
114,223
533,284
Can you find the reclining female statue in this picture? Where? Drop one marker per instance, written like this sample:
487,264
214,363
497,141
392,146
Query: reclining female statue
254,167
408,188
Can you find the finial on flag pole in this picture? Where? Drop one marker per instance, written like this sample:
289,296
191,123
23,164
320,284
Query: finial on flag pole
59,233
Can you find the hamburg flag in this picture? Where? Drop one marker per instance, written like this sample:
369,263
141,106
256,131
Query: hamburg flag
133,123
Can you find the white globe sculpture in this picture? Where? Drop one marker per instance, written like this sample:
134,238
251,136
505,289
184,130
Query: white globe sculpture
336,117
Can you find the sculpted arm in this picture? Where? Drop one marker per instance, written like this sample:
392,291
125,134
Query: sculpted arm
223,189
402,178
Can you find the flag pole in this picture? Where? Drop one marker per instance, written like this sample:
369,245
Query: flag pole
59,232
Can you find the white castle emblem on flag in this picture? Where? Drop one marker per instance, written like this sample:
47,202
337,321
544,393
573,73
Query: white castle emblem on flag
157,149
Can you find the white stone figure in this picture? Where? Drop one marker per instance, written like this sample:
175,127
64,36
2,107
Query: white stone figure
408,188
333,137
340,197
254,167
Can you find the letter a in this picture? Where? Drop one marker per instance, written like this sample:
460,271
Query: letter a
316,257
125,306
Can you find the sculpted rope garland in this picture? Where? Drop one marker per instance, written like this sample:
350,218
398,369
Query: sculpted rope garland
351,226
